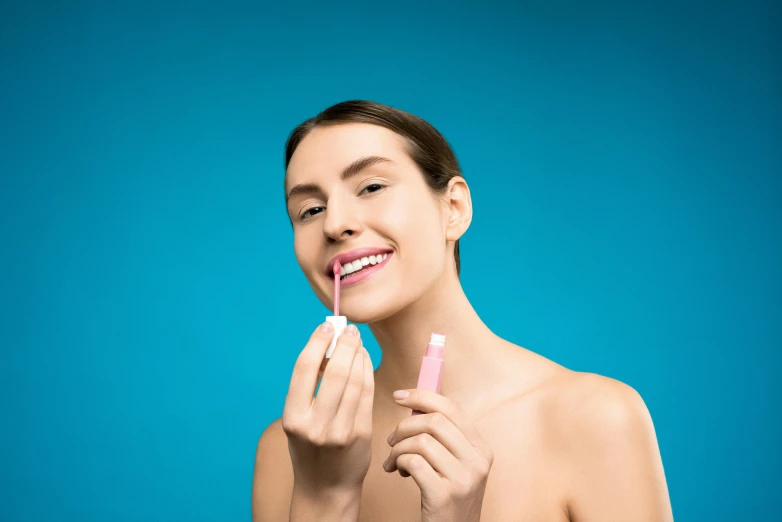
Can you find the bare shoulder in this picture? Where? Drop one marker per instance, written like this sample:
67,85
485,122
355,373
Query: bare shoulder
594,402
605,435
586,411
273,476
573,399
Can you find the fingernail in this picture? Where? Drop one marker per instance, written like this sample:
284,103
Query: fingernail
401,394
326,327
385,463
390,436
351,329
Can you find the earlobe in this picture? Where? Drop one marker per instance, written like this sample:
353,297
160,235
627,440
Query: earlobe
455,226
455,230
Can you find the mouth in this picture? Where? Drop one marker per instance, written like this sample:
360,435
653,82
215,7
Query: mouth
365,271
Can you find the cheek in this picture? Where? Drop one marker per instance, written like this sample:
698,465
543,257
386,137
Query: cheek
397,214
303,254
415,225
398,220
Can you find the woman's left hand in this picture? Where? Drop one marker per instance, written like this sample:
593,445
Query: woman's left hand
446,456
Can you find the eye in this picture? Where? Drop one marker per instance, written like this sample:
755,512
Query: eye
374,185
378,186
304,215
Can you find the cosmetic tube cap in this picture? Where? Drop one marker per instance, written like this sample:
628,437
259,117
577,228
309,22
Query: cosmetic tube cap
339,322
436,346
437,339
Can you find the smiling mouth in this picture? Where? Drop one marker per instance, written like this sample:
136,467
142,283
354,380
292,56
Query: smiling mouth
363,269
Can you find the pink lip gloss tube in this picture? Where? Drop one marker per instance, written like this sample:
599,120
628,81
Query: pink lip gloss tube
431,373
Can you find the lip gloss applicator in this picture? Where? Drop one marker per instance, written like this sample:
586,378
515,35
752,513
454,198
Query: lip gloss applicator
339,321
431,373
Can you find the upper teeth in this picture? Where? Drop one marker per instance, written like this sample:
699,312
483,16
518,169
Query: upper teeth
358,264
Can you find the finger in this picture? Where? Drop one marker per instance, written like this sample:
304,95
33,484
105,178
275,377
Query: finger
438,426
439,458
305,372
428,402
365,403
323,367
345,419
335,377
417,467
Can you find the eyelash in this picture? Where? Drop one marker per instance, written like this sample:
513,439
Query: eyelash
302,218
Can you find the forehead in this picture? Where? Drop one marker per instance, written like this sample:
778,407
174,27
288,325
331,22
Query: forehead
327,150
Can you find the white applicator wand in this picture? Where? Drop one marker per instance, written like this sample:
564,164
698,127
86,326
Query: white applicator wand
339,321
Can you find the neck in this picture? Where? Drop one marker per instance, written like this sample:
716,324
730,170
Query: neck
470,347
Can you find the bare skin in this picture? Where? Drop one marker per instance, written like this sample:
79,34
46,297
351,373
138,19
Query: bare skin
539,438
567,446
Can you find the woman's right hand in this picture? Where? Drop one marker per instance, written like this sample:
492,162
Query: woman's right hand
330,436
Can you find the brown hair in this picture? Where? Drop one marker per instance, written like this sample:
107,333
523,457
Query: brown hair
423,143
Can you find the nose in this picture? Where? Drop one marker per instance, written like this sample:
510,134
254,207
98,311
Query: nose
342,219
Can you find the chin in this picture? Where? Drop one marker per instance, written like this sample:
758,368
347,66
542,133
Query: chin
364,316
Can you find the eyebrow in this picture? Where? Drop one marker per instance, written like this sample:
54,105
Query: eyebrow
351,170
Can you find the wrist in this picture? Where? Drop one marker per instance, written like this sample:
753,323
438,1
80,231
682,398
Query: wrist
336,492
339,504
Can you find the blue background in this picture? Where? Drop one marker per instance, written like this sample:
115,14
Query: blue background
624,162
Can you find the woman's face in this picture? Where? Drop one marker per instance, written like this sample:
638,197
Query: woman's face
385,205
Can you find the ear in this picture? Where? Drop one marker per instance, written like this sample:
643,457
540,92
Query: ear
457,196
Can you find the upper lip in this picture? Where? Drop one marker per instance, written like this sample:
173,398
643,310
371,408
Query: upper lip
352,255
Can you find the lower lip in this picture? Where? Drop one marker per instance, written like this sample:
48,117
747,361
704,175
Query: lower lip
367,272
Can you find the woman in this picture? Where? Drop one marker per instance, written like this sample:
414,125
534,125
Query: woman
511,436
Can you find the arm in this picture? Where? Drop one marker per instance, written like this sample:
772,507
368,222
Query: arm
273,476
617,472
336,507
276,497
